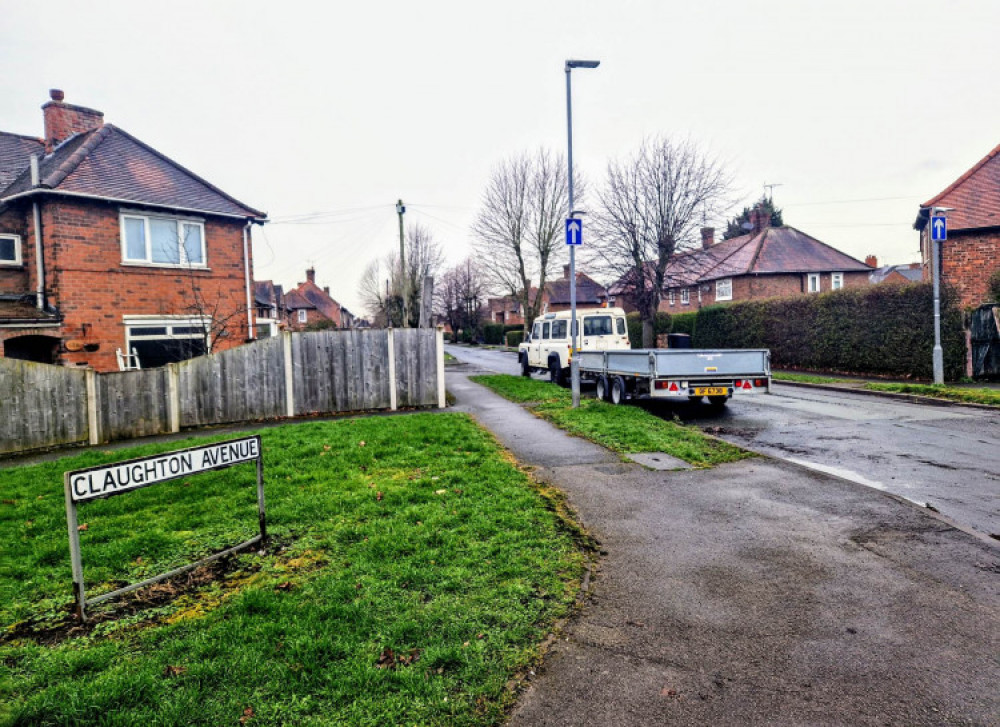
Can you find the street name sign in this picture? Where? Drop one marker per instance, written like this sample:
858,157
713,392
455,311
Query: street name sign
574,232
939,228
103,481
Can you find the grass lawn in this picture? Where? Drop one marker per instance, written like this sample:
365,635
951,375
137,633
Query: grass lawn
623,429
806,378
413,572
951,393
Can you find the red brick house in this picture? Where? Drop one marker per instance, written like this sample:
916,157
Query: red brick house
107,245
555,297
768,262
972,251
308,305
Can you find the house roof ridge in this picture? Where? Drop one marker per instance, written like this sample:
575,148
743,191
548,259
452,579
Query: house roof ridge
181,167
731,253
26,137
66,167
828,246
963,179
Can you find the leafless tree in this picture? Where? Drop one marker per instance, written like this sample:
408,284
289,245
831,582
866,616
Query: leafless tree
461,296
381,285
651,208
519,229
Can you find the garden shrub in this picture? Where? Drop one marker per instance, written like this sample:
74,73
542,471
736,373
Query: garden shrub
514,338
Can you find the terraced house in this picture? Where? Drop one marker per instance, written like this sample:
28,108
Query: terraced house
109,248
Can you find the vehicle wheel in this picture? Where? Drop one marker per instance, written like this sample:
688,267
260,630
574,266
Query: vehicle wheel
525,369
617,390
554,375
602,388
694,399
718,402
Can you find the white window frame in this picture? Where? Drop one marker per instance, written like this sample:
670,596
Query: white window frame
836,281
18,260
303,315
724,289
685,296
812,283
671,297
168,322
182,253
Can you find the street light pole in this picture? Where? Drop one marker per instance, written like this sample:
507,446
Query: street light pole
401,210
574,364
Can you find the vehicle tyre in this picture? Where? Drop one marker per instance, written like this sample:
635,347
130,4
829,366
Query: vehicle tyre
718,402
525,369
617,390
602,388
554,375
694,399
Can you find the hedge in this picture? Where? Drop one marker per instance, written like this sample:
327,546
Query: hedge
683,322
493,333
883,330
661,324
514,338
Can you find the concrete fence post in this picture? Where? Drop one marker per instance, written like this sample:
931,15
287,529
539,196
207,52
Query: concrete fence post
286,341
392,368
439,341
173,397
93,406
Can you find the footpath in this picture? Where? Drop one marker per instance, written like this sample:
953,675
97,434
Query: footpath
755,593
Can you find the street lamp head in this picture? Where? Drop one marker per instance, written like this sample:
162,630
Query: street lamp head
935,210
400,208
582,64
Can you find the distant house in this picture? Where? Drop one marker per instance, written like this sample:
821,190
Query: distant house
555,297
107,245
894,274
768,262
309,305
269,300
972,252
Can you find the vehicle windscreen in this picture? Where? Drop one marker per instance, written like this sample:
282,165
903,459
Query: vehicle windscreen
597,326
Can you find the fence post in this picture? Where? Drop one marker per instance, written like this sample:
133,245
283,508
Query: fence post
173,397
93,423
392,369
442,402
286,341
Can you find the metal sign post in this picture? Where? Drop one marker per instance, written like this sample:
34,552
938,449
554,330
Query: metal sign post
98,483
938,234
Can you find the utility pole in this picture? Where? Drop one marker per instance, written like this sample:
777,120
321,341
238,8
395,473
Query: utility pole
401,210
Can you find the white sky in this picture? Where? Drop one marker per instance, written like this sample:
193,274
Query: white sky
859,110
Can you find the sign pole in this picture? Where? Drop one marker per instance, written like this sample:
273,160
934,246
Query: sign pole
938,232
79,595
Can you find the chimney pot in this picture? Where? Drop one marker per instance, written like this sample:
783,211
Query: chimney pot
872,261
326,289
759,218
56,94
707,237
311,275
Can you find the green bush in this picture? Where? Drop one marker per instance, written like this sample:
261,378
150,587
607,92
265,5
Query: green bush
493,333
661,324
884,330
514,338
683,322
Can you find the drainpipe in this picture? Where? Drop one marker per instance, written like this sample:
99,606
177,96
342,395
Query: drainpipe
246,273
37,220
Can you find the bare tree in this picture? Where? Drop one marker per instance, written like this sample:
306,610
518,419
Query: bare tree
461,296
520,226
650,208
381,285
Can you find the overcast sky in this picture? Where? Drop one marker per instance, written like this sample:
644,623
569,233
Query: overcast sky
859,110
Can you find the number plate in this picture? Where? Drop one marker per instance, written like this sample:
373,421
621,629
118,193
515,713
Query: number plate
711,391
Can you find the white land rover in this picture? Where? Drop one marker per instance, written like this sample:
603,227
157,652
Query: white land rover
548,346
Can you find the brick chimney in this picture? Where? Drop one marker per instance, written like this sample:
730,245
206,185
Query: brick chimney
311,275
707,237
565,272
871,261
62,120
326,289
760,219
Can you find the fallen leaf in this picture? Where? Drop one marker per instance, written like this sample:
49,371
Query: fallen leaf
326,447
378,495
247,715
440,492
386,660
480,636
361,443
285,586
174,671
9,502
83,527
465,644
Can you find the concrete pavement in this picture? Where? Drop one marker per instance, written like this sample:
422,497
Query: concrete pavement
756,593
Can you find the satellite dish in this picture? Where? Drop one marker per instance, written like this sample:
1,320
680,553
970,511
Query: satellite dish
747,226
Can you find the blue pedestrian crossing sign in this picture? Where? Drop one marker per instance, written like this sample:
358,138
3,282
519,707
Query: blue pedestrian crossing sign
574,232
939,228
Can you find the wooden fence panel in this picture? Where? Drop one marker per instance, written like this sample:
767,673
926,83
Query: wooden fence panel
416,367
246,383
133,404
337,371
41,406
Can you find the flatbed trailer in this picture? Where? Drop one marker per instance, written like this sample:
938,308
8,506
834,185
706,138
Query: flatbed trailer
677,374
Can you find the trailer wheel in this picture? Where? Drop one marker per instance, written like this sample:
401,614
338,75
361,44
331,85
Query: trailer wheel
717,402
602,387
617,390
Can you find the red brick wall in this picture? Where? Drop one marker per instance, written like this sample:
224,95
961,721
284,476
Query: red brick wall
759,287
967,261
21,279
93,290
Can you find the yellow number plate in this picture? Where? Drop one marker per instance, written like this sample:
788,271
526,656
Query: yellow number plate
711,391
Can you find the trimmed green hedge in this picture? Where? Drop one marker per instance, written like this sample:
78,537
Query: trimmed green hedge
514,338
683,322
661,324
882,329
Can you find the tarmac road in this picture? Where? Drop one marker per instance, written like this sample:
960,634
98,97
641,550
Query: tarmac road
947,456
755,593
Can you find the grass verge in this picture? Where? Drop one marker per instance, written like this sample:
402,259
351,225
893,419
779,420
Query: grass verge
412,574
623,429
805,378
989,397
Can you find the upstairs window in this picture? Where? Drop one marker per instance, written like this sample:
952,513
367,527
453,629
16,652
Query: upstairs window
10,249
724,289
303,315
170,241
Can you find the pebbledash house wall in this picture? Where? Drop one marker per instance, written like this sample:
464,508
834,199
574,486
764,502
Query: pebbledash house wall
758,287
88,283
